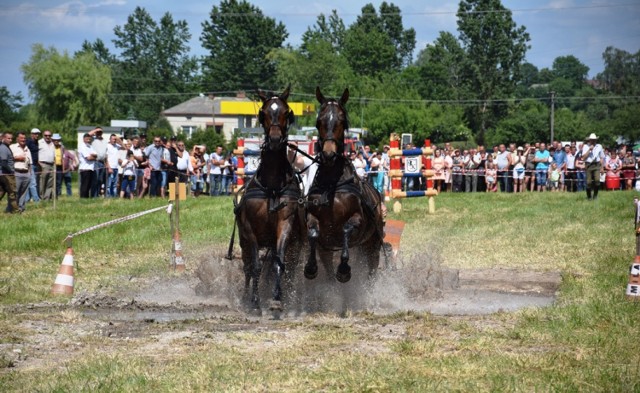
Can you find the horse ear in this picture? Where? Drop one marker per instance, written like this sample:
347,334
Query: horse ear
262,95
261,117
345,97
285,94
319,95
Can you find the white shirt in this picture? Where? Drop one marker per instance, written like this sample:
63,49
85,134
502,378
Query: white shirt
19,152
184,162
46,151
360,165
84,151
100,147
594,156
112,155
215,169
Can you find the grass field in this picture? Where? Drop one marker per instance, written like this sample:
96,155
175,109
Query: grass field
587,341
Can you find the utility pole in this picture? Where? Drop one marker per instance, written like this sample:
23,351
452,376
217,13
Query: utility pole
551,116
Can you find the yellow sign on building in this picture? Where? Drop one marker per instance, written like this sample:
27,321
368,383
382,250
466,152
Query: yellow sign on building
252,108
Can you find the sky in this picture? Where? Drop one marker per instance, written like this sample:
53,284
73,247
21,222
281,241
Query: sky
582,28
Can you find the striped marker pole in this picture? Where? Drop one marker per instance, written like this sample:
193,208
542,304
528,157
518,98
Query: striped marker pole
64,280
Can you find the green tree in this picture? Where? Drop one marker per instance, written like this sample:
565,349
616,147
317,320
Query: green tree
570,69
72,91
377,44
495,48
9,106
238,38
154,70
100,51
621,73
440,68
331,31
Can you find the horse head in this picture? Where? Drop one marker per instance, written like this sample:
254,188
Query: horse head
275,117
332,124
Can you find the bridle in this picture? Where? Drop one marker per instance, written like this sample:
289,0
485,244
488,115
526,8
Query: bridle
329,136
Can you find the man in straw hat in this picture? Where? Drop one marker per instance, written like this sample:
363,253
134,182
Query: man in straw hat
593,155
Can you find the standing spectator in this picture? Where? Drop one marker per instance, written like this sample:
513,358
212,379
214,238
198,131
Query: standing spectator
99,145
128,185
518,169
58,161
360,165
593,155
560,158
204,172
112,156
542,166
457,164
438,167
172,172
214,167
471,162
183,165
155,154
22,167
580,171
503,162
554,177
530,168
46,155
228,173
490,176
32,144
138,153
122,156
386,166
613,166
570,171
448,165
87,157
197,163
482,166
7,174
376,176
513,154
628,169
69,165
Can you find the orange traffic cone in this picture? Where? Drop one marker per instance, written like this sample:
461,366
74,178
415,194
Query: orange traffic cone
64,280
178,259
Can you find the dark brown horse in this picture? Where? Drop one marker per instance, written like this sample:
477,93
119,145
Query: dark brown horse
269,213
342,210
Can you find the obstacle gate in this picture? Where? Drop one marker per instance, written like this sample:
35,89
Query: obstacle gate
414,160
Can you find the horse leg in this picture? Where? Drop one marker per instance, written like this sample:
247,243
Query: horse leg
255,275
344,270
311,268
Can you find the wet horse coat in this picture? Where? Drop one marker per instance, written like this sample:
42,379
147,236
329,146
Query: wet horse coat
342,210
269,213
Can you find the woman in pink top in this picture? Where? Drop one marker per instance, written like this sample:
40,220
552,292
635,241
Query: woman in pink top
438,166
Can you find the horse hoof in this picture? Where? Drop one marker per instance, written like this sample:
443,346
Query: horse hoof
275,305
310,272
343,276
255,311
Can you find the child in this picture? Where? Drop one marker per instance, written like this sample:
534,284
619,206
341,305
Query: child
554,177
490,177
128,186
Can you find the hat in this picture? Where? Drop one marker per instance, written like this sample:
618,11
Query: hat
386,147
173,138
56,137
520,148
163,139
592,136
35,131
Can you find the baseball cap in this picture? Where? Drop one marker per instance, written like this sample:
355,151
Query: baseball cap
35,131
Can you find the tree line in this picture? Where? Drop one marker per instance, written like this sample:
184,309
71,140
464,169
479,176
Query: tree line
473,85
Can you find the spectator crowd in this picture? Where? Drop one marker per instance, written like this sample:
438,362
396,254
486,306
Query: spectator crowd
32,169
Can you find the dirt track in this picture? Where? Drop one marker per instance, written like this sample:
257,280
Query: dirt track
202,304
